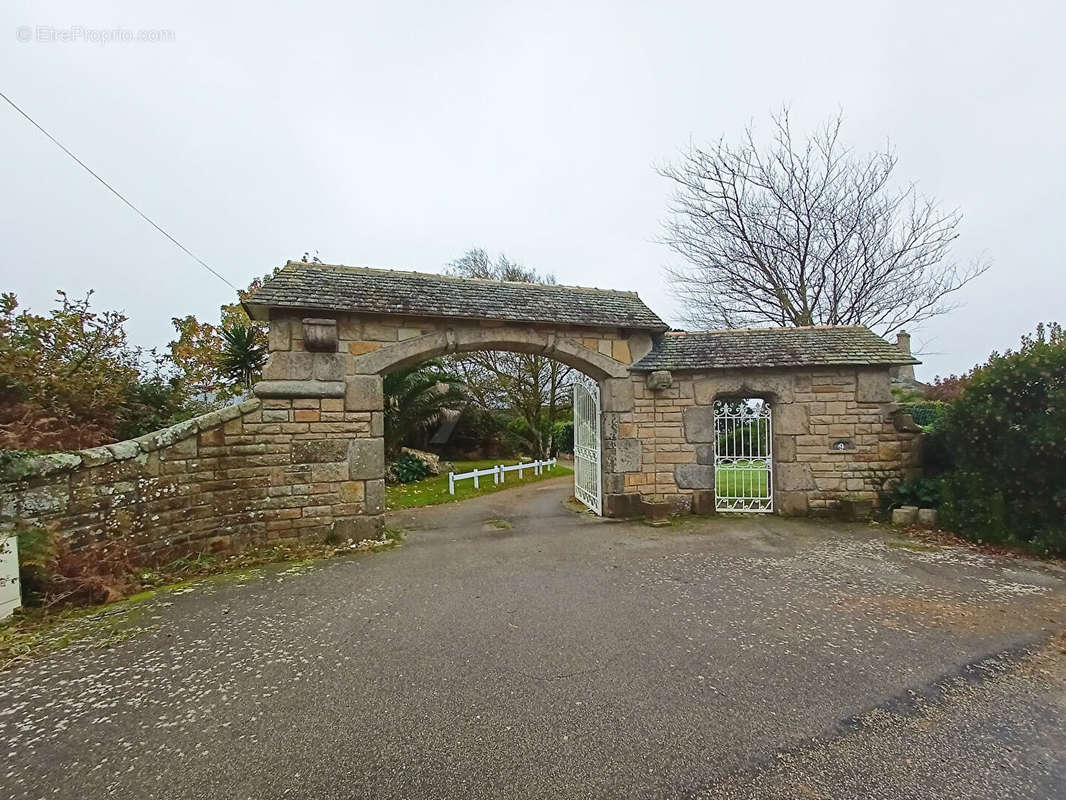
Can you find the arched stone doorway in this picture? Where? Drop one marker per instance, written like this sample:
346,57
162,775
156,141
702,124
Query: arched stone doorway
336,331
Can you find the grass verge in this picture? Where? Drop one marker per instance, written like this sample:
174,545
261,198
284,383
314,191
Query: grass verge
433,491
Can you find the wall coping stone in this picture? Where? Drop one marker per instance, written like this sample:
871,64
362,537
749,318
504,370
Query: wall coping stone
291,389
38,466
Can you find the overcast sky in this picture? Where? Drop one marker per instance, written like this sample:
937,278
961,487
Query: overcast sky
401,134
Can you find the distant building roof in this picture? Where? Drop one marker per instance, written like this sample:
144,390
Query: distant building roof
772,347
326,287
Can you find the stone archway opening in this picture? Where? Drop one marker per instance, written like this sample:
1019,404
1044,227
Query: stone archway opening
336,331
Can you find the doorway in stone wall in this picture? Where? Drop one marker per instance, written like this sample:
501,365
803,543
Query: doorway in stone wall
743,455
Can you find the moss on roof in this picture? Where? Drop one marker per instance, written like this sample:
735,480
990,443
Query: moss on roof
823,345
327,287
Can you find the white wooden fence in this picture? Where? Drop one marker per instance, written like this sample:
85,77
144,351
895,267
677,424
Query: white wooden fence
499,472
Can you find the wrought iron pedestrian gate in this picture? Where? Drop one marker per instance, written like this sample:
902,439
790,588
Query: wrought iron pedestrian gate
743,455
587,442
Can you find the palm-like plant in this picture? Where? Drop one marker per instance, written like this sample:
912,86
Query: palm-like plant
243,354
416,399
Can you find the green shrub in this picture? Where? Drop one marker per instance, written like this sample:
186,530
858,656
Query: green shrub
563,437
930,414
921,492
409,468
1007,435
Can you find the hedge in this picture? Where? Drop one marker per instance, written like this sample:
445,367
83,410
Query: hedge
1006,434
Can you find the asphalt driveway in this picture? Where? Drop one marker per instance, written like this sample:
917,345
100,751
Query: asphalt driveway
513,648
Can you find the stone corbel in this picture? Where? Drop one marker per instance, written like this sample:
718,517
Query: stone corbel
320,335
659,379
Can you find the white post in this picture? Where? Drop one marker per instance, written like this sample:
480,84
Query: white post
10,589
503,473
451,483
475,480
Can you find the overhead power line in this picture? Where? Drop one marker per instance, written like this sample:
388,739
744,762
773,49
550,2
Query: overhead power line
117,194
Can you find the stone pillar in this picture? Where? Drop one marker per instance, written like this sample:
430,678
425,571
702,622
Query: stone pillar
364,405
621,451
331,427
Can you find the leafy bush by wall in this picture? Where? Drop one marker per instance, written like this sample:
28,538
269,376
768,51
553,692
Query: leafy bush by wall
1007,435
930,414
409,468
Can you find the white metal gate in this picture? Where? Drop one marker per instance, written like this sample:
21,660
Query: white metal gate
743,455
587,442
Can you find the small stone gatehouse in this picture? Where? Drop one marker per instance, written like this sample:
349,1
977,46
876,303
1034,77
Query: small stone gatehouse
306,456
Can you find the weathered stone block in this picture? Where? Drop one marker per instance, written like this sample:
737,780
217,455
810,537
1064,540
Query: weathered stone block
620,351
703,502
777,386
622,455
794,477
873,387
927,517
280,335
216,437
360,348
659,379
621,505
366,459
329,366
694,476
791,419
363,393
288,366
616,394
784,448
357,529
640,345
656,511
275,414
320,335
377,423
320,451
791,504
330,473
705,454
699,423
375,496
905,515
904,423
291,389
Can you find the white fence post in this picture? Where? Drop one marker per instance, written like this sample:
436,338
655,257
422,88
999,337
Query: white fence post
10,589
499,472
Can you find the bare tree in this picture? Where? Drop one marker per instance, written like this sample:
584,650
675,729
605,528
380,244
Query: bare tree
533,387
807,233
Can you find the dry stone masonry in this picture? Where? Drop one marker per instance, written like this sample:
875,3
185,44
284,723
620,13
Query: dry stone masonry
306,457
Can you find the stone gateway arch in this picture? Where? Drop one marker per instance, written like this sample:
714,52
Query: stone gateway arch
789,420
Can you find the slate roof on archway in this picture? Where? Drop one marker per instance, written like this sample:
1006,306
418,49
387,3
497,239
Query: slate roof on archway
749,348
336,288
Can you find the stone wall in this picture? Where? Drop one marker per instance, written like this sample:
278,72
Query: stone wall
349,362
306,459
814,411
249,474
